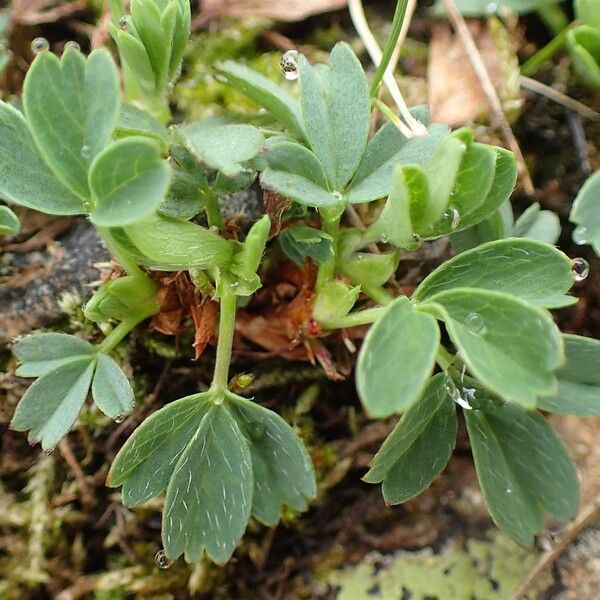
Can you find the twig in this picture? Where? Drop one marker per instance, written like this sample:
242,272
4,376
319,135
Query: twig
87,498
585,517
489,90
549,92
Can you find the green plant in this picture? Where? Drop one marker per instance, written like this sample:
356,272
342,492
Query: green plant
221,458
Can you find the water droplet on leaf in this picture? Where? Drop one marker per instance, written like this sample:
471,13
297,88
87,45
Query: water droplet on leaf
86,151
337,196
383,238
581,268
161,560
39,45
580,235
491,8
258,429
124,23
71,45
119,418
415,244
452,217
289,65
474,323
49,451
509,490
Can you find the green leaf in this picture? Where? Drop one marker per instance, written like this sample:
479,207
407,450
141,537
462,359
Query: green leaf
166,244
111,390
510,345
41,353
210,515
578,380
51,404
146,462
584,46
336,113
9,222
280,103
134,55
25,178
128,181
396,359
369,270
333,301
588,11
385,150
298,188
283,472
300,241
72,107
226,148
586,212
418,448
489,230
536,224
522,466
135,121
531,270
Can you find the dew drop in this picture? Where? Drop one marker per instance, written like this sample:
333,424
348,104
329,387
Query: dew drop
124,23
491,8
39,45
49,451
452,217
383,238
580,235
415,244
86,151
474,323
289,65
509,490
581,268
337,196
71,45
161,560
119,418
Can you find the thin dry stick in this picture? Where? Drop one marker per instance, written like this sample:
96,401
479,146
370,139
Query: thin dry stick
585,517
533,85
410,11
87,497
489,90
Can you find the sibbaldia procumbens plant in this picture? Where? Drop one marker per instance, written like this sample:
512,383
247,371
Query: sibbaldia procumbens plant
476,337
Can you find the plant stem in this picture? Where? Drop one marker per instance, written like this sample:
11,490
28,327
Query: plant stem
327,268
226,330
390,115
213,212
443,358
533,64
390,45
379,294
111,341
361,317
120,254
553,17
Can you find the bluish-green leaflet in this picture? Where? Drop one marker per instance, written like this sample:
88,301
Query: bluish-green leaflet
578,379
111,390
41,353
278,101
146,462
586,211
128,180
72,106
512,347
522,466
25,178
209,496
51,404
336,110
396,359
531,270
419,446
282,469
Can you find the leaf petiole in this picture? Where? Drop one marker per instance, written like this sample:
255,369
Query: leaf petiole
228,305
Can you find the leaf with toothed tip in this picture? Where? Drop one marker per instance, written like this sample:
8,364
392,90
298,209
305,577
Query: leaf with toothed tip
283,472
41,353
146,462
209,496
50,406
523,467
